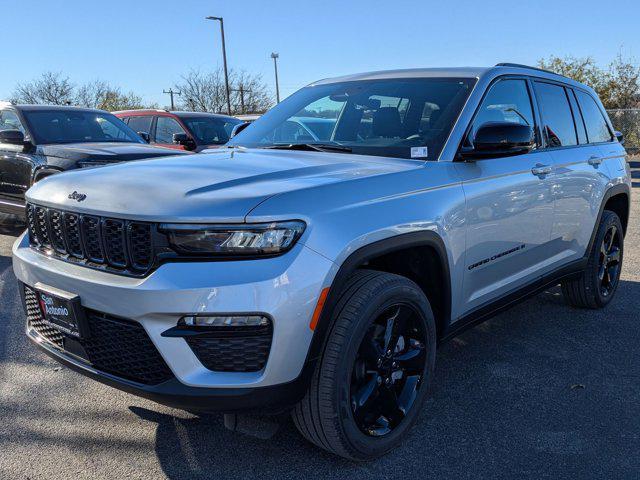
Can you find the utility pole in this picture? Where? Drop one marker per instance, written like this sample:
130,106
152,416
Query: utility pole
171,93
224,59
275,66
242,91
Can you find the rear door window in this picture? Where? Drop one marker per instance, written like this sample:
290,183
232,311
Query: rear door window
140,124
557,119
597,128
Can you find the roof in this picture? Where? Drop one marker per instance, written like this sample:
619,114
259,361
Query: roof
455,72
459,72
144,111
53,108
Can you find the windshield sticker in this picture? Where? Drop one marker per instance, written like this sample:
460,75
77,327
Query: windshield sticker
419,152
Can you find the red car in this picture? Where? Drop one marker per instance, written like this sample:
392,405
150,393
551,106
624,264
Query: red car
193,131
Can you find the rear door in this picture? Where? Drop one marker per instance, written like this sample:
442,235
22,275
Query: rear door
580,175
509,205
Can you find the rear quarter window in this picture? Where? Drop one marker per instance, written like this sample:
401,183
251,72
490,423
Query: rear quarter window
597,128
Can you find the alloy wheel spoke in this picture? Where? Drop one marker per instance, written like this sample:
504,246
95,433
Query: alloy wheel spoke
614,256
612,237
412,356
408,394
364,394
395,324
602,271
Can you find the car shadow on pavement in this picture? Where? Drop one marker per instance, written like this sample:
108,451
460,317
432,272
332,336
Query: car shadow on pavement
542,390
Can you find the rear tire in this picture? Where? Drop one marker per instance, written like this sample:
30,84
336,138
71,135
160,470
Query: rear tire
599,281
380,350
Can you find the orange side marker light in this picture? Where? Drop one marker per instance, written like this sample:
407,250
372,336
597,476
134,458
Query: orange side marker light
319,306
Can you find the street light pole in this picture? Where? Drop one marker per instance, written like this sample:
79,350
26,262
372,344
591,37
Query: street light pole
224,59
275,66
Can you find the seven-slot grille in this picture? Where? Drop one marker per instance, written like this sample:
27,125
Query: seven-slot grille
108,243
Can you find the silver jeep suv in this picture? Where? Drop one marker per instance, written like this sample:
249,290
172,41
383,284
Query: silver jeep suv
316,263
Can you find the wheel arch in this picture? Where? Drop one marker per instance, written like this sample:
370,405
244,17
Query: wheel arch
617,199
426,245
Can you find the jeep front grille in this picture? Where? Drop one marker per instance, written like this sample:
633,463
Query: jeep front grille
121,246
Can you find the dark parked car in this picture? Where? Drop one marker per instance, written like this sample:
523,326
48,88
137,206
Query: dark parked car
37,141
193,131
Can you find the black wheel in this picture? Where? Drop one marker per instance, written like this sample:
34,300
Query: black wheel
375,370
598,283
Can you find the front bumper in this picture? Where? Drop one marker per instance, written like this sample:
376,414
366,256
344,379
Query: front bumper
173,393
286,288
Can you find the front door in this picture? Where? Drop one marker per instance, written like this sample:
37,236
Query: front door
509,206
15,167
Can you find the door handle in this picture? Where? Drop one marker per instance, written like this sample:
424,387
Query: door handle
594,161
541,170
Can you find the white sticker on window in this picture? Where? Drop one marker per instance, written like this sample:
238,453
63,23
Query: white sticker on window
419,152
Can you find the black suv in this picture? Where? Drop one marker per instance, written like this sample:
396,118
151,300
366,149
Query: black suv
37,141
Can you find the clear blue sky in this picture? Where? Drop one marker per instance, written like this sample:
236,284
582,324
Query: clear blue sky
145,45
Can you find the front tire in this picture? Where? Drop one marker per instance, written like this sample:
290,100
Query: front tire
375,370
599,281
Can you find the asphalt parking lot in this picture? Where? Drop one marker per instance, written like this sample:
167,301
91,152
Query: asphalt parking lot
541,391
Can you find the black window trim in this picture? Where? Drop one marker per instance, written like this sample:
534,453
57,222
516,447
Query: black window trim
571,95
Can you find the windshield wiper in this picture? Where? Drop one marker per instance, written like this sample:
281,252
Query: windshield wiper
317,147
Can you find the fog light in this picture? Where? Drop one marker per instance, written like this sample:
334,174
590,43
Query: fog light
224,321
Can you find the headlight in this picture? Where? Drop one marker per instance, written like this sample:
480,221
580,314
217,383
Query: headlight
240,239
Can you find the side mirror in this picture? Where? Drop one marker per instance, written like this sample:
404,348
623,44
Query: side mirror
620,137
500,139
145,136
238,128
12,137
184,140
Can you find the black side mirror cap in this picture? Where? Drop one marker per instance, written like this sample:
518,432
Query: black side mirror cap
620,137
238,128
500,139
145,136
12,137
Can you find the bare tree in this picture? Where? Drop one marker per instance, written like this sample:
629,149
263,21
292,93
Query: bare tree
54,89
99,94
50,89
205,92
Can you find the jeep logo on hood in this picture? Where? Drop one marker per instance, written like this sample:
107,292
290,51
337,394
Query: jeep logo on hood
77,196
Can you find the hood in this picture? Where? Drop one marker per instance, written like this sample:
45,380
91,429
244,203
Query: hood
107,152
220,186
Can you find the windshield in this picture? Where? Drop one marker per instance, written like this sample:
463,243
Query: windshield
374,117
70,126
211,130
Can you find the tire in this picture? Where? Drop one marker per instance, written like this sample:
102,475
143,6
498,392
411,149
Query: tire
589,290
326,416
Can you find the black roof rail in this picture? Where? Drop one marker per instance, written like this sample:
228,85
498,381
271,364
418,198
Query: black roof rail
519,65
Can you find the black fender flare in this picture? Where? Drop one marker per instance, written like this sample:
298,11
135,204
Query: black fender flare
44,171
621,188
